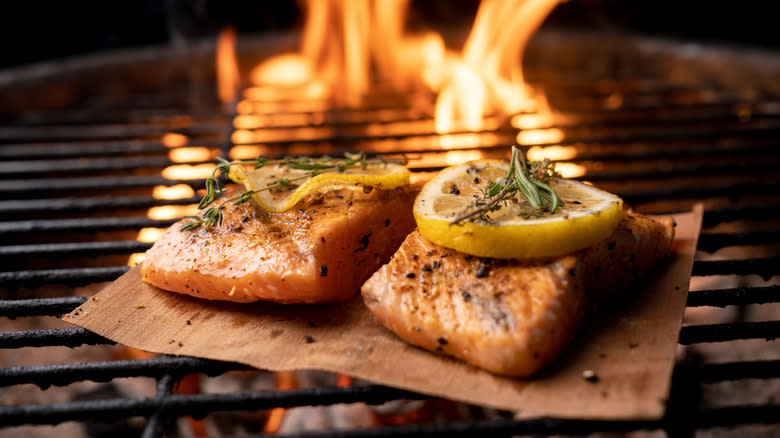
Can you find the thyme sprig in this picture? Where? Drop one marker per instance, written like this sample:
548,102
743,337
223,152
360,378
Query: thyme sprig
528,179
211,213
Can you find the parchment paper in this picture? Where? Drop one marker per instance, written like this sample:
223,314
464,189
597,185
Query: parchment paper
630,346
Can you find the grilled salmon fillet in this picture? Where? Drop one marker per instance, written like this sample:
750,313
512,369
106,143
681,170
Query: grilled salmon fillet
510,317
320,251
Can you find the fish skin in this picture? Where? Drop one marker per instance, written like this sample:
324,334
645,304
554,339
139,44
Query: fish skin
322,250
510,317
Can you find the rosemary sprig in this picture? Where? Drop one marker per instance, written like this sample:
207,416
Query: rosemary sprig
528,179
212,214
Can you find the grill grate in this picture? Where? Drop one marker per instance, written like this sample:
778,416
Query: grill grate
77,189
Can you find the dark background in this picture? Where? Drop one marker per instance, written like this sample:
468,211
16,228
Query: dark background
38,30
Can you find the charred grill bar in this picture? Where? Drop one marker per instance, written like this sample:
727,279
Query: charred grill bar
661,126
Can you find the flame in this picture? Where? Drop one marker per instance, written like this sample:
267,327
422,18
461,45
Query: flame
285,380
348,46
288,70
462,104
228,78
488,76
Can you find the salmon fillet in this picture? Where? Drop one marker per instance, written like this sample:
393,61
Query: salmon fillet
510,317
320,251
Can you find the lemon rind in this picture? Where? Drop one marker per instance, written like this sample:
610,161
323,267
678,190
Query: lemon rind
324,182
522,238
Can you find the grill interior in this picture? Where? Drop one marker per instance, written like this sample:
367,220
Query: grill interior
664,125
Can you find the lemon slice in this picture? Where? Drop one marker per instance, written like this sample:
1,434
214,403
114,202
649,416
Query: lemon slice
299,183
516,230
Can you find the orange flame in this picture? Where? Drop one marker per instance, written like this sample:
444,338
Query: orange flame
344,42
488,78
228,78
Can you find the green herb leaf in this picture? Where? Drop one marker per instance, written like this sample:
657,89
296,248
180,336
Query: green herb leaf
529,179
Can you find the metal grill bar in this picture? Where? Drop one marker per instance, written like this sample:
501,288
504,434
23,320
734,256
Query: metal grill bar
82,224
733,297
717,216
36,187
699,192
69,337
26,151
710,373
76,248
75,276
714,242
13,134
198,404
694,334
87,204
39,306
65,374
765,267
140,202
12,169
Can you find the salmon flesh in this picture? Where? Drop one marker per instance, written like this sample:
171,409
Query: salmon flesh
320,251
510,317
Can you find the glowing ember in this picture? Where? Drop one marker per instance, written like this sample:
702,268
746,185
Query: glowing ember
532,121
174,140
570,170
178,191
164,212
189,154
554,153
188,172
540,136
453,158
135,258
247,152
149,235
469,140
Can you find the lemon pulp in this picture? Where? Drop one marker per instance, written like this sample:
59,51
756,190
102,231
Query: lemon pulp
516,230
300,183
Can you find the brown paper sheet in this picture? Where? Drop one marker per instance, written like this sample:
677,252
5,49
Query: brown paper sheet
630,346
